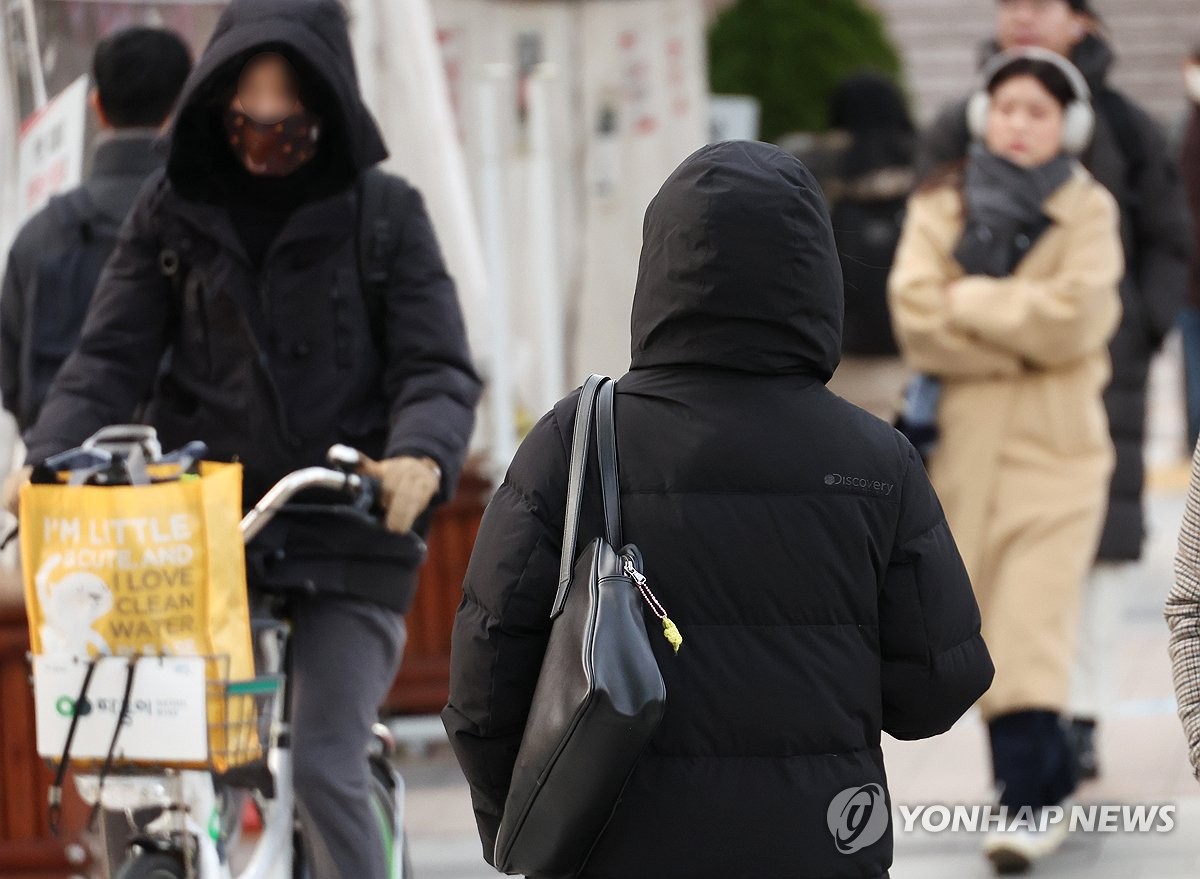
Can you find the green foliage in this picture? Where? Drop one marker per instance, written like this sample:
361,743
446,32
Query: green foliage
790,54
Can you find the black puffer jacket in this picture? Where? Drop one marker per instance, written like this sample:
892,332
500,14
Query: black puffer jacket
1129,156
272,365
794,538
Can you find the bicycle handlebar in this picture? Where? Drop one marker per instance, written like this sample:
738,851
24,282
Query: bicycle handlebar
303,480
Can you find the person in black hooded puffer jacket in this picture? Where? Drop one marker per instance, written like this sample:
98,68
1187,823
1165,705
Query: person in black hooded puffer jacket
243,262
795,539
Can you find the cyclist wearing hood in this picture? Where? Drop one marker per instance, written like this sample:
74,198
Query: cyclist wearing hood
243,266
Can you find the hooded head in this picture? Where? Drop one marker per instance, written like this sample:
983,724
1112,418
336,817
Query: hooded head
871,108
313,36
739,268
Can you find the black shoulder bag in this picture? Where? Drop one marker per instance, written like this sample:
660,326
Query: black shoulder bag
600,695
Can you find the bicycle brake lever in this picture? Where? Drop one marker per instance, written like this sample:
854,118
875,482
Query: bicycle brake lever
186,457
370,493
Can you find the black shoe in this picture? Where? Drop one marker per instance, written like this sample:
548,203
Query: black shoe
1082,736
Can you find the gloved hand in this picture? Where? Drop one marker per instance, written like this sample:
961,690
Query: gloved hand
12,488
409,484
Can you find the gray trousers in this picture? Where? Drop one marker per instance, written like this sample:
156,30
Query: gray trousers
345,654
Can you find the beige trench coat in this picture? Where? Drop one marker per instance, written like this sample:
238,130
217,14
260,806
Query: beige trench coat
1024,459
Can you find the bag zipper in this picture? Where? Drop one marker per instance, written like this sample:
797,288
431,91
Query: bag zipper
670,630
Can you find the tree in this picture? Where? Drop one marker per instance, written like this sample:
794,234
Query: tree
790,54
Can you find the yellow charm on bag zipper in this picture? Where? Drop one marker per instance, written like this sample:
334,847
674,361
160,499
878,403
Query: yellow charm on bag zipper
670,630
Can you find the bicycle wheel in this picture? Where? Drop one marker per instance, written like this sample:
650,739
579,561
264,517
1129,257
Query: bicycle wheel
152,865
406,867
383,805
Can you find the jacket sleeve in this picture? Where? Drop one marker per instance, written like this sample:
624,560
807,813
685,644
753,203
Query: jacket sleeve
1183,618
1162,231
921,308
503,623
1060,319
121,345
12,332
944,141
428,375
935,664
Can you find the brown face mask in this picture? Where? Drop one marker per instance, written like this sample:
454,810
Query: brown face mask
274,150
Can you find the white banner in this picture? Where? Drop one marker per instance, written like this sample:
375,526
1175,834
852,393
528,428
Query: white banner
167,719
51,147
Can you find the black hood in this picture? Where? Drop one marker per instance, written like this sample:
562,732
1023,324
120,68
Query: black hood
871,108
739,269
1093,55
314,36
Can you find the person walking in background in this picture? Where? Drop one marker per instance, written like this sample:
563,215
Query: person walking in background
1130,157
57,256
1005,291
874,178
817,610
1189,318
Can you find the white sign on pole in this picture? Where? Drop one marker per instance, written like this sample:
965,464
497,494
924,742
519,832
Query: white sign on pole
733,117
167,719
50,148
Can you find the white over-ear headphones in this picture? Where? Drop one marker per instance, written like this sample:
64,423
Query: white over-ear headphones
1079,123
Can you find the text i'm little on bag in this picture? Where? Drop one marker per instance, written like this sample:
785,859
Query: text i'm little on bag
119,532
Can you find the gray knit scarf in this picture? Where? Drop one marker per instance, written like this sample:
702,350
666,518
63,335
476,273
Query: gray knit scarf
1003,202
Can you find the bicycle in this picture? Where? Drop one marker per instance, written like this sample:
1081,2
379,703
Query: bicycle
152,816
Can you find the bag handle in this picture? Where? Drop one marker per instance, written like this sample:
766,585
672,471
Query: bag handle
606,450
581,441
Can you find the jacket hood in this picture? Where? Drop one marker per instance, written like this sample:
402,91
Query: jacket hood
1093,55
314,36
739,269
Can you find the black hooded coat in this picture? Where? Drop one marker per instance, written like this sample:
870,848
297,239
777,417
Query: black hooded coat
271,361
794,538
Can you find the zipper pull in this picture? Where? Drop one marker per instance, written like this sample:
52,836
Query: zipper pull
671,633
670,630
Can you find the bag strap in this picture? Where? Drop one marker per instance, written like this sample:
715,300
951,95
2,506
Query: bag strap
581,441
606,449
126,698
54,794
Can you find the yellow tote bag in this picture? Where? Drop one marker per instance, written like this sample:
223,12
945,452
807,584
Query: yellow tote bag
149,570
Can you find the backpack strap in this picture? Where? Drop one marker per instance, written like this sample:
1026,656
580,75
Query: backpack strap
76,212
378,241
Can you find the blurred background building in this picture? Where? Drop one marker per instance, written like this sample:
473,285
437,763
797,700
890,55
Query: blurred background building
939,39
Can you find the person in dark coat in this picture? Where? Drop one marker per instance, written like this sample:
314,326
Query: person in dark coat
1189,319
243,263
138,73
1129,156
795,538
867,195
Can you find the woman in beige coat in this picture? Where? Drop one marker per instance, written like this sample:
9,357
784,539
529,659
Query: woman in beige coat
1005,291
